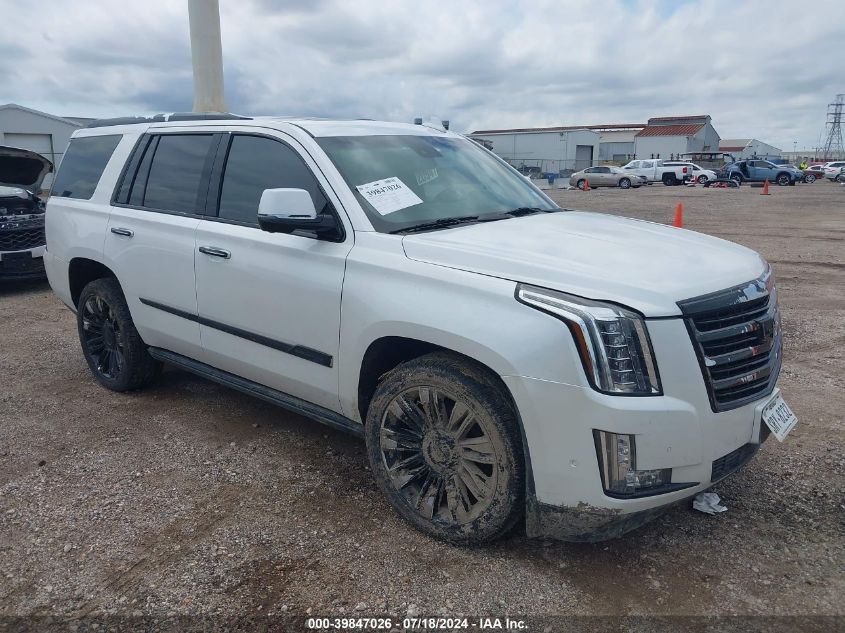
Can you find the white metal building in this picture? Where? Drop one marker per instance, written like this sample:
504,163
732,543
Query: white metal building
40,132
543,150
618,141
667,137
742,148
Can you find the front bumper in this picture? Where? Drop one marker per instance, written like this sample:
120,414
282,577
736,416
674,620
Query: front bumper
22,265
677,431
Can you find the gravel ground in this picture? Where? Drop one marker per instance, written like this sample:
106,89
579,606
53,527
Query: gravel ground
189,499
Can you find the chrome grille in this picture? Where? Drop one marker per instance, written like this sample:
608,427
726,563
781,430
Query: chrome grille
737,337
22,239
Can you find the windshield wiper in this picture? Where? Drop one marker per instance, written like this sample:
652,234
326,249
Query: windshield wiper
520,211
438,224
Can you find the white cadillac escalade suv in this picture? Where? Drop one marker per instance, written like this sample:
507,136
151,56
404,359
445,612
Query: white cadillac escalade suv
505,360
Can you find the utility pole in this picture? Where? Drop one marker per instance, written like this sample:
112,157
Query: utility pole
833,144
206,55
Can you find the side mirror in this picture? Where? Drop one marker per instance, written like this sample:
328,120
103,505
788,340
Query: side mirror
289,210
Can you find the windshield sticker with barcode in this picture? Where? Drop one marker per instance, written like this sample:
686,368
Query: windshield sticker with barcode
388,195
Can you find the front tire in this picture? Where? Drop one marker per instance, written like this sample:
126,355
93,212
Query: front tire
625,183
783,179
580,184
444,447
112,347
702,180
810,178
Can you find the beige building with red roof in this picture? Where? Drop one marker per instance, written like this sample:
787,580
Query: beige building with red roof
667,137
573,147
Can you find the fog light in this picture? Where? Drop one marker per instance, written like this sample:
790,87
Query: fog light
617,455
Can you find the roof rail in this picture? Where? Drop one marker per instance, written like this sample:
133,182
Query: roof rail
175,116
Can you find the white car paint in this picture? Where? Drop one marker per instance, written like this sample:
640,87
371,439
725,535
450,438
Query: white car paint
697,172
596,259
453,288
833,169
654,169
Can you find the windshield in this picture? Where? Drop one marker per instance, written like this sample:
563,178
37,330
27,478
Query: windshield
404,181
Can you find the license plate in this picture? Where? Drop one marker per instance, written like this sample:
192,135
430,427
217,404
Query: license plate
779,417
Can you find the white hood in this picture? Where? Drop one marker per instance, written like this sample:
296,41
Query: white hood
643,265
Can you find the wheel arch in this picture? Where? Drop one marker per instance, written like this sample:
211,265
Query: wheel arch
82,271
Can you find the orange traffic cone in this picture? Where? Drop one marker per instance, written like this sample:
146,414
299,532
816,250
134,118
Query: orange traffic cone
586,185
765,191
679,216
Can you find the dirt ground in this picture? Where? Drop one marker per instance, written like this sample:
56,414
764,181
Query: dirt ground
192,499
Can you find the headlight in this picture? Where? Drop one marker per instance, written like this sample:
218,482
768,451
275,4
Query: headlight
613,342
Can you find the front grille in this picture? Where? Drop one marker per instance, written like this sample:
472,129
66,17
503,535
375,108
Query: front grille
22,239
737,338
732,462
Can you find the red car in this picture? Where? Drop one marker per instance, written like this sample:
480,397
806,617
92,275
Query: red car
813,173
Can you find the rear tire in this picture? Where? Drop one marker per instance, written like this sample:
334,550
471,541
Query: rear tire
444,447
669,180
112,347
810,178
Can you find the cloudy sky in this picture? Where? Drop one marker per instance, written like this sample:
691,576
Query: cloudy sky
764,69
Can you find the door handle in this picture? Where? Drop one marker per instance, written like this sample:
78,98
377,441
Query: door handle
124,232
215,252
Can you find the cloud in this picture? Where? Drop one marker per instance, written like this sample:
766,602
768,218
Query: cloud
754,68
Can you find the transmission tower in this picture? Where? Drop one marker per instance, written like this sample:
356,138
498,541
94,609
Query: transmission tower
833,144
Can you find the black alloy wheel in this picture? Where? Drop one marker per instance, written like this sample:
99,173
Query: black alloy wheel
445,450
112,347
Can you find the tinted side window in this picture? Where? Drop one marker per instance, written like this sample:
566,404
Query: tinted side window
176,172
83,165
255,164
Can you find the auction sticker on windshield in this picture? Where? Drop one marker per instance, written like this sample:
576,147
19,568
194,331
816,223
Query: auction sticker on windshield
388,195
779,417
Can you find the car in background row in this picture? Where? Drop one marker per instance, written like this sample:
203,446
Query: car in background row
606,176
760,170
22,241
699,174
655,170
813,173
833,169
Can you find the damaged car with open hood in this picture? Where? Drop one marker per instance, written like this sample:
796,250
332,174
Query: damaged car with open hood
22,240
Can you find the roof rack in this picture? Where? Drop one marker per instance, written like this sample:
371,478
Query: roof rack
175,116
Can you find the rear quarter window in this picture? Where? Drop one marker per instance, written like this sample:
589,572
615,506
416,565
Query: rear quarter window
83,165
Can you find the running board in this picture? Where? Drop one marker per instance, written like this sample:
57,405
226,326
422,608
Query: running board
291,403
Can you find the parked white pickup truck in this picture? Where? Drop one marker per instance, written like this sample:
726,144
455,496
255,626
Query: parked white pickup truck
654,170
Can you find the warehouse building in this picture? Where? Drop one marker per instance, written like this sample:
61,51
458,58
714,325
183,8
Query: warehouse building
40,132
618,141
571,148
744,148
669,137
544,149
